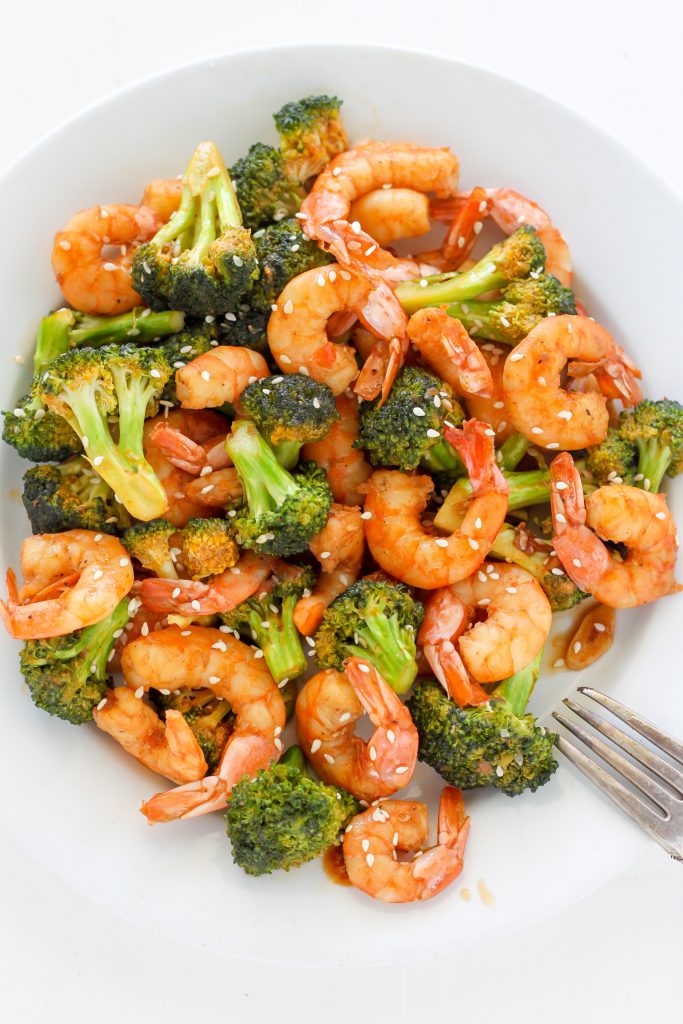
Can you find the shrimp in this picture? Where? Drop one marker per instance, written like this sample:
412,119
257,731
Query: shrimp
297,328
623,515
399,542
217,376
464,229
163,196
221,593
327,709
339,547
168,748
516,625
447,348
195,658
346,467
390,214
181,451
446,619
374,836
538,405
491,408
92,281
71,580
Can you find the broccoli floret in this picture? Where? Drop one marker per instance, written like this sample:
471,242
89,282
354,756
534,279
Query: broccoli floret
88,387
535,557
492,744
283,510
208,717
311,134
150,544
67,675
613,458
282,818
203,260
248,326
393,434
264,191
268,619
289,411
517,256
283,253
207,548
523,305
377,621
71,496
37,434
655,429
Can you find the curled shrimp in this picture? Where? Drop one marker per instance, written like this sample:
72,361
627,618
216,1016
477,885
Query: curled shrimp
373,838
390,214
445,345
327,710
91,280
400,543
339,548
346,467
516,623
195,458
71,580
221,593
297,327
446,619
630,516
167,747
538,405
218,376
195,658
163,196
491,408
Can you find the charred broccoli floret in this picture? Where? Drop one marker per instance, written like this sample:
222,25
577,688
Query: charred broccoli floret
289,411
377,621
37,434
283,253
71,496
207,548
522,305
282,510
67,675
311,133
264,191
517,256
283,818
150,545
208,717
406,431
248,326
492,744
203,260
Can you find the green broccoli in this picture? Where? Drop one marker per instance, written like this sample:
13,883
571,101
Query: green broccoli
37,434
492,744
512,451
518,256
264,192
521,548
150,544
203,260
311,134
530,487
654,433
283,818
88,387
377,621
209,717
406,431
71,496
207,548
522,305
268,619
615,458
67,675
248,327
282,510
283,253
289,411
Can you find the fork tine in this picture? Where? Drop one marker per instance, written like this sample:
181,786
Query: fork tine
631,804
661,739
657,765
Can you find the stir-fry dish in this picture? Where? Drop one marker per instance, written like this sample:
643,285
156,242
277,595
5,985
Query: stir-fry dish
284,470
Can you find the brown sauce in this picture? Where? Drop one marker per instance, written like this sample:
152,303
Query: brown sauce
335,868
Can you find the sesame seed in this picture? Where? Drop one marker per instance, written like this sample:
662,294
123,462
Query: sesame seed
345,717
65,245
577,647
86,440
109,266
102,703
315,746
196,605
477,523
561,485
305,371
237,261
553,444
363,667
98,574
441,542
366,515
511,590
537,430
258,654
557,571
365,845
370,859
474,544
402,769
515,357
599,627
263,538
209,487
560,518
372,753
310,641
564,414
500,771
417,411
576,562
214,679
140,692
660,515
542,381
288,307
205,375
558,663
186,632
329,758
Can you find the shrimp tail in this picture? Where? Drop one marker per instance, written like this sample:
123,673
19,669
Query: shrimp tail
465,226
194,798
448,667
178,449
474,445
583,555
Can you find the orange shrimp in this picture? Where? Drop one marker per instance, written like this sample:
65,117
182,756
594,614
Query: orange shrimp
339,547
221,593
447,348
346,466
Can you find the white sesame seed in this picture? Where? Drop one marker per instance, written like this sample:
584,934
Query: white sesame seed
258,654
186,632
511,590
363,667
329,758
557,571
417,411
537,430
660,515
65,245
516,356
102,703
577,647
98,574
86,440
205,375
553,444
542,381
474,544
315,746
477,523
441,542
599,627
372,753
214,679
560,517
500,771
564,414
288,307
366,515
365,845
576,562
370,859
109,266
140,692
558,663
402,769
195,605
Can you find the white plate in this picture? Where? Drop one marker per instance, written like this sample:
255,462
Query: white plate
69,798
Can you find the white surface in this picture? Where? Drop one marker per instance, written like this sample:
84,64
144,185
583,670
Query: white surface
655,883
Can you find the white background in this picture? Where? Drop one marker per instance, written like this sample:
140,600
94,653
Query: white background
615,956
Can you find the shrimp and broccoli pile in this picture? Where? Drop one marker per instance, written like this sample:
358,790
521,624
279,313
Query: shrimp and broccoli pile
284,476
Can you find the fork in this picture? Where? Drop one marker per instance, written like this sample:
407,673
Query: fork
663,821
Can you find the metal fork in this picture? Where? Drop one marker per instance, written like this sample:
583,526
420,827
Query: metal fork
663,821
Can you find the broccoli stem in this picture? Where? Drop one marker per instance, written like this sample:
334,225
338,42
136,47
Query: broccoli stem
98,641
512,451
531,487
653,461
517,689
287,453
213,719
478,318
52,339
279,640
295,756
390,649
448,289
265,481
443,458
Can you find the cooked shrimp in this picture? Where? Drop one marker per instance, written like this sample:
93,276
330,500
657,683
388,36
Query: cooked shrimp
339,548
446,619
491,409
346,467
464,229
395,534
297,328
92,281
195,658
221,593
390,214
635,518
71,580
185,453
224,487
539,406
327,710
374,836
141,622
167,747
218,376
163,196
447,348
